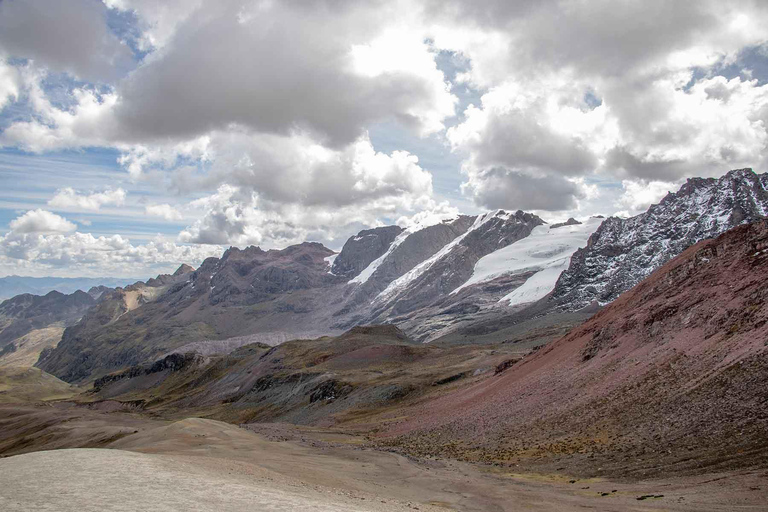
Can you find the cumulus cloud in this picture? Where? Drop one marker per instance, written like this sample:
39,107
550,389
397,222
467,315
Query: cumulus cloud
297,170
278,67
158,20
41,221
499,187
41,242
86,254
164,211
69,199
240,215
64,36
10,83
639,195
524,150
270,67
630,91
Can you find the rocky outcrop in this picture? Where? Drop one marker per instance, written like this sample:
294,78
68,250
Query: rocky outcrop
96,292
183,269
622,252
570,222
246,291
361,250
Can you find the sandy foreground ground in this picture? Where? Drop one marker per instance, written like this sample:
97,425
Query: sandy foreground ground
205,465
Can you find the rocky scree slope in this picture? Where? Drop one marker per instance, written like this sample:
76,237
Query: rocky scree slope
622,252
668,379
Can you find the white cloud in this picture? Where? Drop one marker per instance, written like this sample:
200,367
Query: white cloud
70,199
158,19
164,211
538,61
41,221
10,83
639,195
323,196
42,243
268,103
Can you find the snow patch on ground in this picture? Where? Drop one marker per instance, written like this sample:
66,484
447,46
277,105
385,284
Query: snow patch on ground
329,260
545,250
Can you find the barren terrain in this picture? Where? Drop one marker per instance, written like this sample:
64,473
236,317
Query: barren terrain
197,464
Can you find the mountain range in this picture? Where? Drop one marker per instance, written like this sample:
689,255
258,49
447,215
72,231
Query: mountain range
10,286
500,276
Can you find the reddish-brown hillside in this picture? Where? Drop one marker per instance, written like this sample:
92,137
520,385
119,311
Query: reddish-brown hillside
673,376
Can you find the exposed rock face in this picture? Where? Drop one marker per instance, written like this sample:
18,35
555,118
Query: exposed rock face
409,249
359,251
251,275
570,222
96,292
624,251
670,377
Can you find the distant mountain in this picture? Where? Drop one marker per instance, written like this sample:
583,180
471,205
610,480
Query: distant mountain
668,377
32,323
262,296
622,252
11,286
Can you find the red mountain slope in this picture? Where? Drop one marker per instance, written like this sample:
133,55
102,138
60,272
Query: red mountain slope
671,377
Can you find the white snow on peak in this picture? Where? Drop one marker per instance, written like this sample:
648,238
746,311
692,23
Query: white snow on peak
415,225
330,259
368,271
402,282
547,251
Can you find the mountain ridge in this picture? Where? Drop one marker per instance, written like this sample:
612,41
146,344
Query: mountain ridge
406,277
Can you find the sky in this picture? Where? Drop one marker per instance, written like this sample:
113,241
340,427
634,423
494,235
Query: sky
136,135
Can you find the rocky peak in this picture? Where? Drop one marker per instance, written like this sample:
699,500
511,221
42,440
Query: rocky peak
570,222
183,269
624,251
361,250
97,292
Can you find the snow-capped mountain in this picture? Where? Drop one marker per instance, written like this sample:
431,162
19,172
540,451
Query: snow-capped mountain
547,251
500,275
410,284
622,252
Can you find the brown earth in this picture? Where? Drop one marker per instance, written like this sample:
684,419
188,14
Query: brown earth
667,380
197,464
